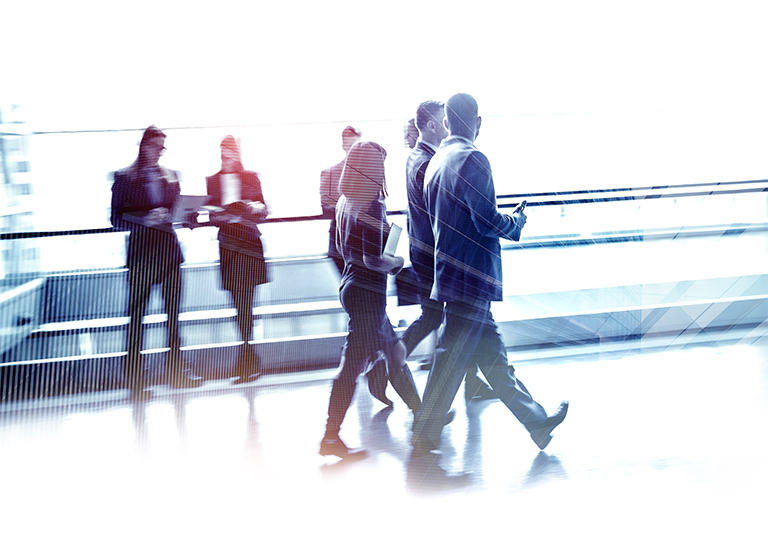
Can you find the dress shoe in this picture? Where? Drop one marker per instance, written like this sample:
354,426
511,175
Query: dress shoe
248,361
180,376
247,369
334,446
185,380
246,378
140,395
543,434
377,382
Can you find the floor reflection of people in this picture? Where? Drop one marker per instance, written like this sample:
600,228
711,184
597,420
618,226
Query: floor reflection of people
467,225
362,230
545,468
139,418
241,253
180,413
473,445
143,195
252,447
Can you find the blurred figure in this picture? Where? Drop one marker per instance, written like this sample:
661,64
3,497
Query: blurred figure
431,131
329,192
411,134
142,198
361,236
461,201
241,253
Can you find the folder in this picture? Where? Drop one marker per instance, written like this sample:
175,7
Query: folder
394,237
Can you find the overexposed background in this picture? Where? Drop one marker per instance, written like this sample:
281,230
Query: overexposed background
574,95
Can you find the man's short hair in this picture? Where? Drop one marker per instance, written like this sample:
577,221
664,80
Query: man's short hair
461,111
427,111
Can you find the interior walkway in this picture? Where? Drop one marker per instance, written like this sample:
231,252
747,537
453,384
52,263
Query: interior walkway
664,448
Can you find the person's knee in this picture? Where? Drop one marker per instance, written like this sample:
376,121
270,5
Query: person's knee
350,368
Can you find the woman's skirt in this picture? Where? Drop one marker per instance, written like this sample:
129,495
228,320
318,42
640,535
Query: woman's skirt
242,269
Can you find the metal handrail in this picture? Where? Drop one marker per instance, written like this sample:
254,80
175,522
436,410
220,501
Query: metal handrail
659,192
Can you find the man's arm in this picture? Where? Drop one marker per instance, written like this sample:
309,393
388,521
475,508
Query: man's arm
119,200
127,215
480,195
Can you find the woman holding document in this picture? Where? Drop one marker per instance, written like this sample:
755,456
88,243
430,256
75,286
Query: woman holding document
361,236
237,193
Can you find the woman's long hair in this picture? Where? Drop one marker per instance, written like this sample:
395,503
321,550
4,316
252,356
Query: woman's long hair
229,142
150,133
362,180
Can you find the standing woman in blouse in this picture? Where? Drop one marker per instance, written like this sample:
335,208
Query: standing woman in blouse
241,254
361,232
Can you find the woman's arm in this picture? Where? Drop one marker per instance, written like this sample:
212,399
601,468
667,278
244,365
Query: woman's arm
253,196
384,263
373,235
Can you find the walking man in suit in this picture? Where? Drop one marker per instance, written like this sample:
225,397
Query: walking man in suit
431,131
461,201
143,195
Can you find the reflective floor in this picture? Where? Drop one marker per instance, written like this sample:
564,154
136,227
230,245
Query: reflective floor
664,448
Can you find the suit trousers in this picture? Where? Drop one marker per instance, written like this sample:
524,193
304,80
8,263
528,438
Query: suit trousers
430,319
140,283
470,338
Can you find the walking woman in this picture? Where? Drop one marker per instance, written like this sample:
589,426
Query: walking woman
361,233
241,254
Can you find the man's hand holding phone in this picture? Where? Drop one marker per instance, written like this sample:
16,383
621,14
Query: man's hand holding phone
519,219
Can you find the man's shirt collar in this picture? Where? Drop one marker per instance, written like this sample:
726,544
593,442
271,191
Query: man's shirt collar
428,145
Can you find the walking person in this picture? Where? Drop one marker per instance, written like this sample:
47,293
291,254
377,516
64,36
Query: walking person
362,232
461,201
431,132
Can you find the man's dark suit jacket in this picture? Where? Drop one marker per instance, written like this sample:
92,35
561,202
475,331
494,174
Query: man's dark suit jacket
149,247
461,200
421,239
329,187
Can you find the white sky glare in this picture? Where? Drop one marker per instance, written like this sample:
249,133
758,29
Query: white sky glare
89,64
574,95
